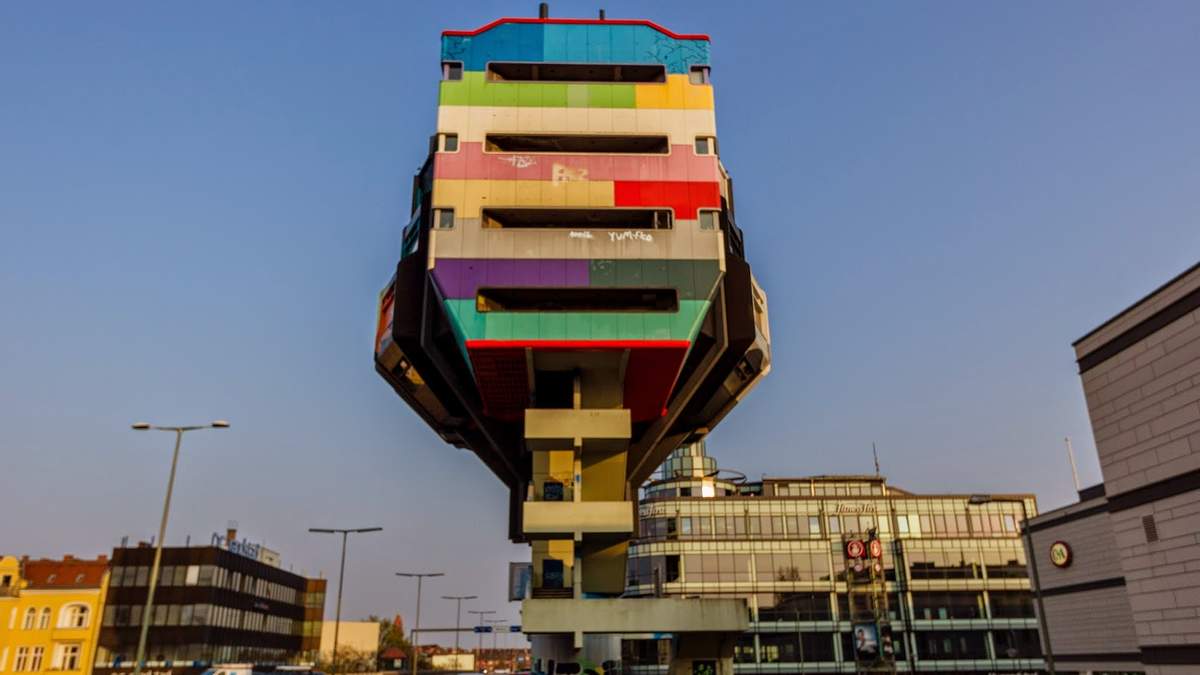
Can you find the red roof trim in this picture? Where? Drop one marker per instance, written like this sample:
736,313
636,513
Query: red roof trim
578,344
618,22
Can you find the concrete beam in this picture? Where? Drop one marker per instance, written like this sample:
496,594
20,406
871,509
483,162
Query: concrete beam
560,520
565,428
634,615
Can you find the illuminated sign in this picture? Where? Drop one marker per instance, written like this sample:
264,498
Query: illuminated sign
1060,554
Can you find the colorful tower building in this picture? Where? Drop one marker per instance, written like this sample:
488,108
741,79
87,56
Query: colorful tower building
573,303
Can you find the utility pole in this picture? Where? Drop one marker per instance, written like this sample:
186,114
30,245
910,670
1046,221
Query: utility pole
337,622
458,623
416,655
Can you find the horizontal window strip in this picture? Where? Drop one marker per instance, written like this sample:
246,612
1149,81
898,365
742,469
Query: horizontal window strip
476,90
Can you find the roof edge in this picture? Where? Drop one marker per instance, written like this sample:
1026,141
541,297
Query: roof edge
1137,304
617,22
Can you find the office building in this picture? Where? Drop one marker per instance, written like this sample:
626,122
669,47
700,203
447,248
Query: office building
952,593
213,605
573,302
1121,568
49,613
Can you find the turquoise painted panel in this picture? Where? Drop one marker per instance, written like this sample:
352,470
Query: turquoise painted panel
470,324
574,43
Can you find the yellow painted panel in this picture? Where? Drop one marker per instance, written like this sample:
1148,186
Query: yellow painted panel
677,92
468,197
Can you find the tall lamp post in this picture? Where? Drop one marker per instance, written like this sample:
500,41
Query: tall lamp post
419,576
458,622
162,528
977,500
337,622
479,651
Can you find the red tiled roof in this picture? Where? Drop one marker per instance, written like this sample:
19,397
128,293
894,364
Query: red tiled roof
66,573
391,653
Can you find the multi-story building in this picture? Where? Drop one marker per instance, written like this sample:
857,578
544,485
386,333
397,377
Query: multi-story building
1120,569
573,302
49,613
212,605
956,591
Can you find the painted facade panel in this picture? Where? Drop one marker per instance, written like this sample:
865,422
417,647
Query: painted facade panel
476,90
473,123
563,42
684,241
472,162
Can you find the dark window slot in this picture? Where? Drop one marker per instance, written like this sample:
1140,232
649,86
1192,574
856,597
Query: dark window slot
608,144
546,299
575,72
617,219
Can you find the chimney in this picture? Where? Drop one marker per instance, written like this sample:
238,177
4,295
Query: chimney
543,10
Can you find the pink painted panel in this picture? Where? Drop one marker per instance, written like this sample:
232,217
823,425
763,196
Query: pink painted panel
470,162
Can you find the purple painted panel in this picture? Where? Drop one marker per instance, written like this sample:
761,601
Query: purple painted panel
462,277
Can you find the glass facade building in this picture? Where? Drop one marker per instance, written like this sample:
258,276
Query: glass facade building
958,598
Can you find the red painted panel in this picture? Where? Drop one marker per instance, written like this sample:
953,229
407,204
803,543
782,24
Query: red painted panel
649,377
684,197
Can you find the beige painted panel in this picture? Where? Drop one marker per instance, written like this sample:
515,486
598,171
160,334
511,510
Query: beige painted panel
603,566
634,615
473,123
685,241
566,518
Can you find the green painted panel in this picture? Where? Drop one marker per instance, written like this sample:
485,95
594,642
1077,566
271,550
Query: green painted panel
602,272
630,274
475,89
473,325
577,96
654,273
552,326
604,326
681,276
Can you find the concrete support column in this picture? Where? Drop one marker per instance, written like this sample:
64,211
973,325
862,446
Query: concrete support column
692,653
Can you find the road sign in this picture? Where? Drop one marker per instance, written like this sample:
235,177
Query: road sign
855,548
876,548
515,629
483,629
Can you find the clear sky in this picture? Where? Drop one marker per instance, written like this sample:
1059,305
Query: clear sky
199,204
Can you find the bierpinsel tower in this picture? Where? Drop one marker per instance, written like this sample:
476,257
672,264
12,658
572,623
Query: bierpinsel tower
573,302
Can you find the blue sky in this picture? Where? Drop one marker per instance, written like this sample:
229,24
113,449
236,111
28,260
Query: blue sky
200,203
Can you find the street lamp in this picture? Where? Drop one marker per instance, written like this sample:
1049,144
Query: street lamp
458,622
479,651
978,500
337,622
419,576
162,527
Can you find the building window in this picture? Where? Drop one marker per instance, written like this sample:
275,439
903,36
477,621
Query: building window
44,621
447,142
452,70
30,619
68,657
706,145
443,219
74,616
700,75
22,660
709,220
